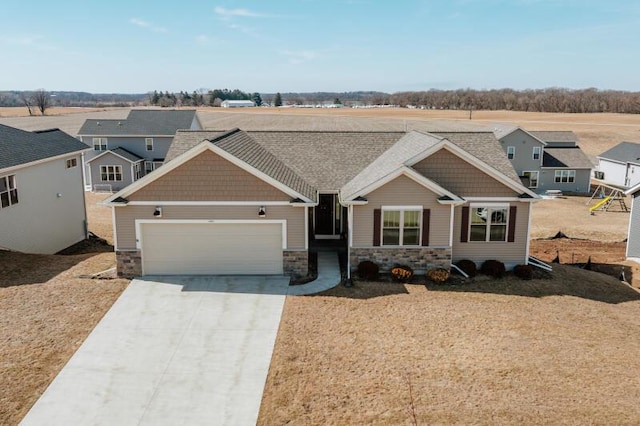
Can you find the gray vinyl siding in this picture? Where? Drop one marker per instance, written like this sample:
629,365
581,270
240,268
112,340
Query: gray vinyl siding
581,184
402,191
42,221
509,253
523,160
633,242
126,217
110,160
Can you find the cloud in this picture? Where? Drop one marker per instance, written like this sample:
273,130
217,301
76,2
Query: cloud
240,12
299,56
147,25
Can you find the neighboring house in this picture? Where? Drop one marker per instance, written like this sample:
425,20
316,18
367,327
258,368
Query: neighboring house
547,160
249,202
42,206
633,239
620,166
125,150
237,104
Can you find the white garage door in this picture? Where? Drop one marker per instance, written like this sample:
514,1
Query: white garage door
211,248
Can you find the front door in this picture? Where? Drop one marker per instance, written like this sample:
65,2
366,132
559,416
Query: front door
325,215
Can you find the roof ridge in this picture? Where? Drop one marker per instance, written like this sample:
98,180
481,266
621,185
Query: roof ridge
225,135
53,129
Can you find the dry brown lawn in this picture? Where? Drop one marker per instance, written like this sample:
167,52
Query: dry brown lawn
47,311
547,351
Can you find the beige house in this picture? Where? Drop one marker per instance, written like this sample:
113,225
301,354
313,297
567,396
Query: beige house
251,202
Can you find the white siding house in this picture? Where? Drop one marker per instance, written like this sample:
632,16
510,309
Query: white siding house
620,166
42,206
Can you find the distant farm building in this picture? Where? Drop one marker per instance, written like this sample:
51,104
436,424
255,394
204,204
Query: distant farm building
237,104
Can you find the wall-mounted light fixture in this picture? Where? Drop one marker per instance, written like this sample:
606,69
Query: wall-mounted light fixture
262,212
157,212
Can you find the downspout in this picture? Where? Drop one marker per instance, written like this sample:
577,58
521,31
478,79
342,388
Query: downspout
349,239
526,259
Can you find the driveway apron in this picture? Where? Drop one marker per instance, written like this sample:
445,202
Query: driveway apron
172,350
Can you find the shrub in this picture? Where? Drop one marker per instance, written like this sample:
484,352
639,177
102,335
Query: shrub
401,273
468,266
368,270
438,275
524,272
493,268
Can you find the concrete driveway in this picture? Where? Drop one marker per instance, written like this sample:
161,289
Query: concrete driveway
171,351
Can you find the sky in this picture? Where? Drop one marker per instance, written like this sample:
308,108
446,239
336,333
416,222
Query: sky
268,46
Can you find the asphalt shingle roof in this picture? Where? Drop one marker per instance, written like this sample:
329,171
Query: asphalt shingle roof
551,136
21,147
623,152
126,154
141,122
566,157
329,160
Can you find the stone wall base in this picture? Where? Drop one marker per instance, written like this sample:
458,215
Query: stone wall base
128,263
420,259
295,263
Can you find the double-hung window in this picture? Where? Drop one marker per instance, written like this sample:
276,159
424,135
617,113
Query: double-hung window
8,191
489,223
511,152
99,144
149,143
536,152
401,226
110,173
565,176
533,178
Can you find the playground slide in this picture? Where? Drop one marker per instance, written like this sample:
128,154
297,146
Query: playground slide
599,204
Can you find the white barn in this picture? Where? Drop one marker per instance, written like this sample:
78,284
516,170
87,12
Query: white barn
237,104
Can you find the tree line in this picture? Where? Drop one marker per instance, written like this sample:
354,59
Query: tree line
536,100
201,97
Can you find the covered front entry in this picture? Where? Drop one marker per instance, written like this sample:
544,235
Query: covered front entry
329,218
211,248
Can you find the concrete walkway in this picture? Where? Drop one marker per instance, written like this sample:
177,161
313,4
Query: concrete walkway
328,276
172,351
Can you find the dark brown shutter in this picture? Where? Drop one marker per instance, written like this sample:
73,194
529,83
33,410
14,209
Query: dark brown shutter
376,227
511,236
464,230
426,216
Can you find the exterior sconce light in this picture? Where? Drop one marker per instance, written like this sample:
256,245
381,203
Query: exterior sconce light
262,212
158,212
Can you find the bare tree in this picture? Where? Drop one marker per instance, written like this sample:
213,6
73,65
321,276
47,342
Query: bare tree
26,100
42,99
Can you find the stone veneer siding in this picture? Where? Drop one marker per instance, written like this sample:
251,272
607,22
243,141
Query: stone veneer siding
420,259
295,263
129,263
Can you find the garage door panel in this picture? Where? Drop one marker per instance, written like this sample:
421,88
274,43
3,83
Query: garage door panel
169,248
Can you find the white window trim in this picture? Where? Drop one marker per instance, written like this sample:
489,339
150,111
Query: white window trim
147,144
511,155
103,144
537,177
539,152
401,209
9,189
489,206
115,172
570,176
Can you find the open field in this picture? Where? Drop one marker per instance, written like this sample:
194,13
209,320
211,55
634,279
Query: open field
597,132
547,351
